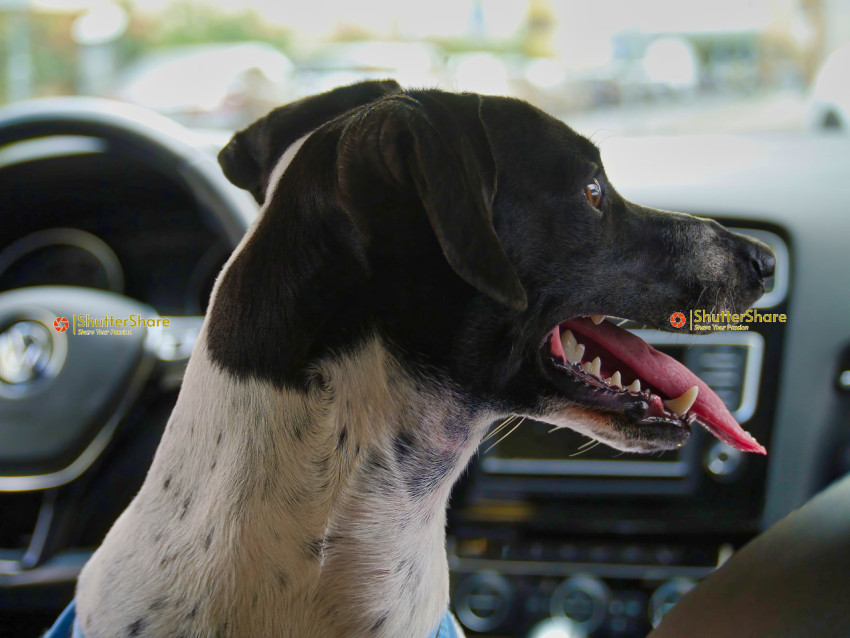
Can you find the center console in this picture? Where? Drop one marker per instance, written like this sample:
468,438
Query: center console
548,525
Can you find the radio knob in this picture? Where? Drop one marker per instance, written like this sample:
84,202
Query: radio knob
723,462
557,628
581,599
483,600
666,596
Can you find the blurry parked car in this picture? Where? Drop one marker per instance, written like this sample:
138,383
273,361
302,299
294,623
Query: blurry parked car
829,102
209,86
411,63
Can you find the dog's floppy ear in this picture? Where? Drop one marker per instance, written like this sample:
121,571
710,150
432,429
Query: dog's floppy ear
448,162
250,156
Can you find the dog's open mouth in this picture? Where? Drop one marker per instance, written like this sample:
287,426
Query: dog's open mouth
610,369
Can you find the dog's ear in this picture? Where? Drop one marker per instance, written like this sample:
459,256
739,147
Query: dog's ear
440,151
250,156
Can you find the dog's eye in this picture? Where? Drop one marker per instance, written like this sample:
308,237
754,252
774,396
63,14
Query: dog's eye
593,191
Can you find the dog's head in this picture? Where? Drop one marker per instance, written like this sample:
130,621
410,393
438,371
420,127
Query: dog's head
474,235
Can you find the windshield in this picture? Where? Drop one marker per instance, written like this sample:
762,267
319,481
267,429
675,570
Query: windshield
605,67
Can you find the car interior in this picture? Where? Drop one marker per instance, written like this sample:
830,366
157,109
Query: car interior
110,204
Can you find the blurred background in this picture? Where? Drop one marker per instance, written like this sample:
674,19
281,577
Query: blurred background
606,67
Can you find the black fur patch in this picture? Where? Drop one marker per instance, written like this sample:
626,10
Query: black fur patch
281,577
331,540
300,427
376,461
377,624
136,627
430,473
187,502
403,447
313,548
159,603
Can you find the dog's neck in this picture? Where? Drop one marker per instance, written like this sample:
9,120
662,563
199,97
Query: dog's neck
317,512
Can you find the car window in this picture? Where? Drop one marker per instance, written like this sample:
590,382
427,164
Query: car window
608,67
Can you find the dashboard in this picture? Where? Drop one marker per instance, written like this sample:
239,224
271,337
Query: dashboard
542,525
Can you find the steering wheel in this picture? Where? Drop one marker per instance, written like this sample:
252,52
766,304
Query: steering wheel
65,386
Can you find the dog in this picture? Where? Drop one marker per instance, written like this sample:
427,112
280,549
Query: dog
424,264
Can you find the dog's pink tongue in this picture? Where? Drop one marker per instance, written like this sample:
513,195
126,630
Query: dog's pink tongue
669,377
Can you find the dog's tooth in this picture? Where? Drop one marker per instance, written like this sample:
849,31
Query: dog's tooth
586,367
596,367
570,345
680,405
575,355
578,353
568,341
597,319
635,386
616,379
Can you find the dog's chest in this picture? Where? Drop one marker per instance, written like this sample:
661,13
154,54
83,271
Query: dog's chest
269,512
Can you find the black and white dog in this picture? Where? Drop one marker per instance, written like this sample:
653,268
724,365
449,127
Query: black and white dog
424,264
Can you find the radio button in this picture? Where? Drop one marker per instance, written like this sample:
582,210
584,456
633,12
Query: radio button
582,599
483,601
666,596
723,462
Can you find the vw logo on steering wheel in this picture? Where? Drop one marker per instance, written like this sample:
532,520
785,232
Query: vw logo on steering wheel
26,348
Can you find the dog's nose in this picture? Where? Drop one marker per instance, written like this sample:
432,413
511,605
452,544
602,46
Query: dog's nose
761,258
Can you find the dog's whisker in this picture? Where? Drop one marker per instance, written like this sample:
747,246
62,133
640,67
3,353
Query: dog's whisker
596,136
499,428
511,431
586,443
595,443
704,288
